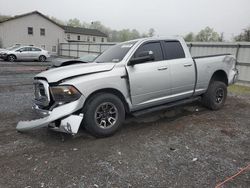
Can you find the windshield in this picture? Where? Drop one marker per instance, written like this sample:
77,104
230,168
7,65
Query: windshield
115,53
12,47
88,58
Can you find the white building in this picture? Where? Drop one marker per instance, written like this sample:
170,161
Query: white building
78,34
36,29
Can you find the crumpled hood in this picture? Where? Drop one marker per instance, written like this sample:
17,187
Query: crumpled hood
57,74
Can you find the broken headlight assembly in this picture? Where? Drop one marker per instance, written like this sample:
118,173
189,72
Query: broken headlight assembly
64,94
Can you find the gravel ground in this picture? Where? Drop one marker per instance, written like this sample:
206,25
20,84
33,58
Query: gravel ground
188,146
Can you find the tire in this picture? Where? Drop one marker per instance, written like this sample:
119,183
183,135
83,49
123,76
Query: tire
104,114
42,58
215,96
11,58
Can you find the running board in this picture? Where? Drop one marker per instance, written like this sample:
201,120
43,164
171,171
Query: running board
165,106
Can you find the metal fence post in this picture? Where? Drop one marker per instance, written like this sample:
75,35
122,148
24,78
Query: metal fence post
58,47
69,49
77,50
237,53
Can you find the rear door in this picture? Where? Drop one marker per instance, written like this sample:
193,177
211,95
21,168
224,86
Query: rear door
149,81
182,70
35,53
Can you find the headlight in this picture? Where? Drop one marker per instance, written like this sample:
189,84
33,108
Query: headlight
65,94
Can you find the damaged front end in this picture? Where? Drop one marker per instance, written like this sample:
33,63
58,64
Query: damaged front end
59,107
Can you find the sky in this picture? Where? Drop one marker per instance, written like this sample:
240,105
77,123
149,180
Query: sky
167,17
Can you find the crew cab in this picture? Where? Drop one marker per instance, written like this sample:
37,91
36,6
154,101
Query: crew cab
133,77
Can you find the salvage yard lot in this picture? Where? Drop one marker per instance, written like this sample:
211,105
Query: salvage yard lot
188,146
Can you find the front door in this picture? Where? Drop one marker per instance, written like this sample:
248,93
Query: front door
149,81
23,53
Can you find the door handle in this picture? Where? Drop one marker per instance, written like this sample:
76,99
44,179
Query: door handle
162,68
188,65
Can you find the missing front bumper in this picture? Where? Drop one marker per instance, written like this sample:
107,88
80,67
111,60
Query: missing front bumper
69,123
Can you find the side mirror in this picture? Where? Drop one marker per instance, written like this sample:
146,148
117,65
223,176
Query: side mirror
142,57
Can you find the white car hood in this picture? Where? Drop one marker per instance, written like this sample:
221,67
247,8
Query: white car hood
57,74
3,51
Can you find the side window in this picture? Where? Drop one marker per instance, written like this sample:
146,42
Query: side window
28,49
68,36
30,30
25,49
42,31
36,49
173,50
155,47
53,48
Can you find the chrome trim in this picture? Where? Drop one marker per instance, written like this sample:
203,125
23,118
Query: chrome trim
39,99
40,111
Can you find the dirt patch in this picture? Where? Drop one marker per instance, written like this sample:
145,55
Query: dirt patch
228,132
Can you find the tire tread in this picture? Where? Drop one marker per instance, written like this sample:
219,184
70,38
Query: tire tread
208,98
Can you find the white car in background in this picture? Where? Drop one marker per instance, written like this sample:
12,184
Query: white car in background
24,53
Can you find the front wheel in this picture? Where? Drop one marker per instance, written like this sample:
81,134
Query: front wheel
215,96
11,58
103,114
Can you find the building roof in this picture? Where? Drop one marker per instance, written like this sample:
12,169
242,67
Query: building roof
30,13
84,31
68,29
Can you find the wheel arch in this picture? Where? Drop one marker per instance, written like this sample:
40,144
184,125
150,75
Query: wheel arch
42,56
220,75
12,55
111,91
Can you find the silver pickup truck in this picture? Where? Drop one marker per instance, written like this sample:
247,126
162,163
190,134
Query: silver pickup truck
133,77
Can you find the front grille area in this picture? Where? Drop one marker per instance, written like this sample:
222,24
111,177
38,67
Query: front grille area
39,91
42,97
42,90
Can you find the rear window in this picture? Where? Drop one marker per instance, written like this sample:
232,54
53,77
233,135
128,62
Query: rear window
36,49
173,50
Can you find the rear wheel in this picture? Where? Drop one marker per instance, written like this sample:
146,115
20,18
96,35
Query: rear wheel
215,96
42,58
11,58
103,115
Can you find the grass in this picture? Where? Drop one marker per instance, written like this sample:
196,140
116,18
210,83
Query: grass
238,89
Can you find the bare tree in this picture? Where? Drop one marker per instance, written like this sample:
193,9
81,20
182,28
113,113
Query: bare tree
190,37
74,22
243,36
151,32
207,35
